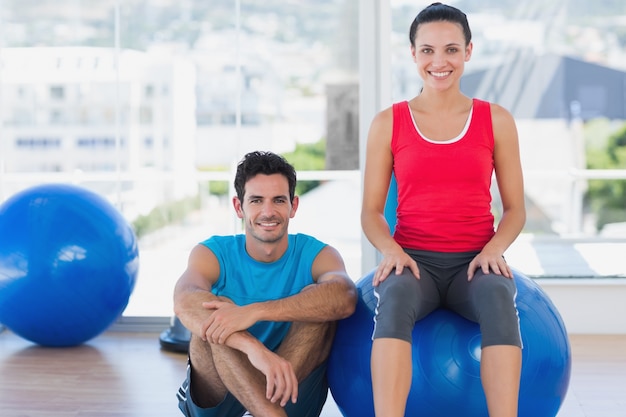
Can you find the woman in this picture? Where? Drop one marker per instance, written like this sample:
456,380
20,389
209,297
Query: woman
443,148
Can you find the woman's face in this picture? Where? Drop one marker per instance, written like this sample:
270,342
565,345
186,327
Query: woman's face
440,53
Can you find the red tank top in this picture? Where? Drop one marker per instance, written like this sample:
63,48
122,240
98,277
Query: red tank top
444,198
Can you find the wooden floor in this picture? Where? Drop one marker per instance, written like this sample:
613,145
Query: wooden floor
128,375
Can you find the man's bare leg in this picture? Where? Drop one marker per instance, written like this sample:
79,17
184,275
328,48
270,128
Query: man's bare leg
223,369
244,381
218,369
307,345
204,375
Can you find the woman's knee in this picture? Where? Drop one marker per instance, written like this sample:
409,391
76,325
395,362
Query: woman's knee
497,313
400,301
492,291
398,286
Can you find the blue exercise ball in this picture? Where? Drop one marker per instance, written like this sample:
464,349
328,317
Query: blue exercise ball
68,264
446,359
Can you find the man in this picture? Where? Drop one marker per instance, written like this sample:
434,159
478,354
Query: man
261,306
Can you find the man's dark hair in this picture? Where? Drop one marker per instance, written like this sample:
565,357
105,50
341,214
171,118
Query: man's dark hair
267,163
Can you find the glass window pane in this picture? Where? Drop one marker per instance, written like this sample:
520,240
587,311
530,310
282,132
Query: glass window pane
151,103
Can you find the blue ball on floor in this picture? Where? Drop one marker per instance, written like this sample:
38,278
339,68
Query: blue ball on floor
68,264
446,359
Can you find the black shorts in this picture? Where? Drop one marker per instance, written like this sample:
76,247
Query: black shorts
488,299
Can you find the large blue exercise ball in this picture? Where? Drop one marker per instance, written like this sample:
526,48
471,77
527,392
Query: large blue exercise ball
68,264
446,359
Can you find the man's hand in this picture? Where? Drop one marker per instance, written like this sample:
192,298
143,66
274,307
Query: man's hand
226,319
280,379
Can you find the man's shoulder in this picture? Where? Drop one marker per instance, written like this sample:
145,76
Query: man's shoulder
222,241
303,237
302,241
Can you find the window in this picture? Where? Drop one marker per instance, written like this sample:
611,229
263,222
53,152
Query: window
57,92
192,95
96,143
145,115
200,83
33,143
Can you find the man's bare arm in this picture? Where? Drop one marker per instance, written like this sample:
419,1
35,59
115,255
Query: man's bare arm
333,297
192,289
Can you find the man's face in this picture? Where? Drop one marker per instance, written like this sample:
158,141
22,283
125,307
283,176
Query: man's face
266,208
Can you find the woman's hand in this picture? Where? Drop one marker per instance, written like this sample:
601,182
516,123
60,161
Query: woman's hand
489,261
397,260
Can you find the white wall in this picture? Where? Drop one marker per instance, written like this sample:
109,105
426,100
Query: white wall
589,306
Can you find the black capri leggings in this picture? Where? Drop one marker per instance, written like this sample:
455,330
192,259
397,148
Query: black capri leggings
488,299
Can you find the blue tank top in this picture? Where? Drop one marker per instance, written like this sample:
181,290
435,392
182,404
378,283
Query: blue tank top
245,280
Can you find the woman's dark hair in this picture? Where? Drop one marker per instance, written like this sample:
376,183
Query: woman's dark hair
267,163
438,12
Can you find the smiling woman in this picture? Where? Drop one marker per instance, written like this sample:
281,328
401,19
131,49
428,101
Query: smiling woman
443,148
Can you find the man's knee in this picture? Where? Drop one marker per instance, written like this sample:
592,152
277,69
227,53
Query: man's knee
307,346
202,374
311,336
